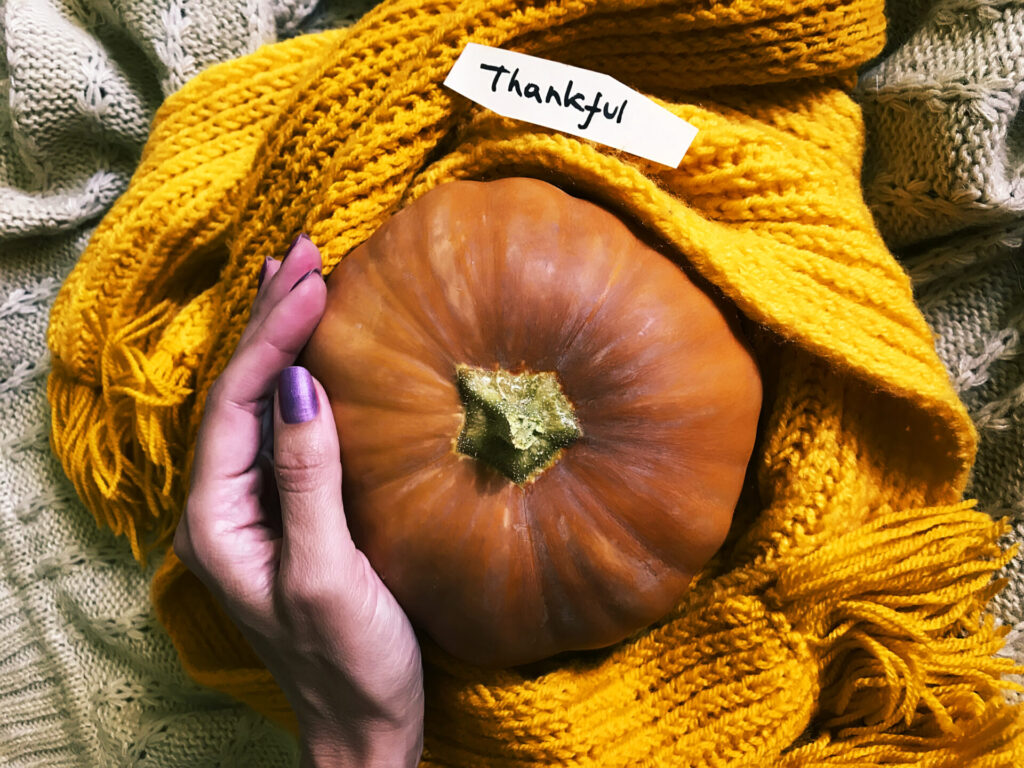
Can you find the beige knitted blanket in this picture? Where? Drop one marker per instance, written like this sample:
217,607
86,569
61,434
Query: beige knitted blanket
87,677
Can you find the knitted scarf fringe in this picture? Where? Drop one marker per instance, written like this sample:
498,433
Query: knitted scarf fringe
100,429
897,613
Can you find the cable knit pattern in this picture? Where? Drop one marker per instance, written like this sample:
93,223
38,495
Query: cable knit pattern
945,179
88,677
845,621
947,142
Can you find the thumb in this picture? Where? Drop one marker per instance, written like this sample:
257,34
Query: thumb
307,466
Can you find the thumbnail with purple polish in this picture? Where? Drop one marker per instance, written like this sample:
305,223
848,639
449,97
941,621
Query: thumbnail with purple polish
296,395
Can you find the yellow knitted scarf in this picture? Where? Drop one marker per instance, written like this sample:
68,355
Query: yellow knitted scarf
843,624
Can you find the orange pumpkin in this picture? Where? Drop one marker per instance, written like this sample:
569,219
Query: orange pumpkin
544,423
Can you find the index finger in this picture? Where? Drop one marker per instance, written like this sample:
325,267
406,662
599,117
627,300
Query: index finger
229,436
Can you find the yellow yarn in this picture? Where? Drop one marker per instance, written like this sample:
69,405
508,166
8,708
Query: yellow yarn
843,624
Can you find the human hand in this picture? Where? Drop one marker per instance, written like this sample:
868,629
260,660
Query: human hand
264,529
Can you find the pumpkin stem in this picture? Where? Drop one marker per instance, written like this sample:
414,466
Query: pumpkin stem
517,423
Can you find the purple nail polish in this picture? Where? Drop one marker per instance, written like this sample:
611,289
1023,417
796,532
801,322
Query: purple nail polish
312,271
295,242
296,395
263,273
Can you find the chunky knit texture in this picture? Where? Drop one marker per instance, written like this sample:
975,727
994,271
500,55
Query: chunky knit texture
944,179
88,677
843,624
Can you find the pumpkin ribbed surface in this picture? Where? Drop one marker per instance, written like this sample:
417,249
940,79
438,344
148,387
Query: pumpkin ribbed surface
516,276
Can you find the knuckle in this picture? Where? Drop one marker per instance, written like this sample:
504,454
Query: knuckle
302,471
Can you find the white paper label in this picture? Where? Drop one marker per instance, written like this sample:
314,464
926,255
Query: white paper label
571,100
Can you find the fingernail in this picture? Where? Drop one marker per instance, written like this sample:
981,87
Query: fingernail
300,236
312,271
263,273
296,395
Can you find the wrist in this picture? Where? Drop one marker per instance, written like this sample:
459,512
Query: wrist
369,748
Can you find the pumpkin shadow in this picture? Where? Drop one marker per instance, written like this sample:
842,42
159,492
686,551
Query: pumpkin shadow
487,480
575,660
